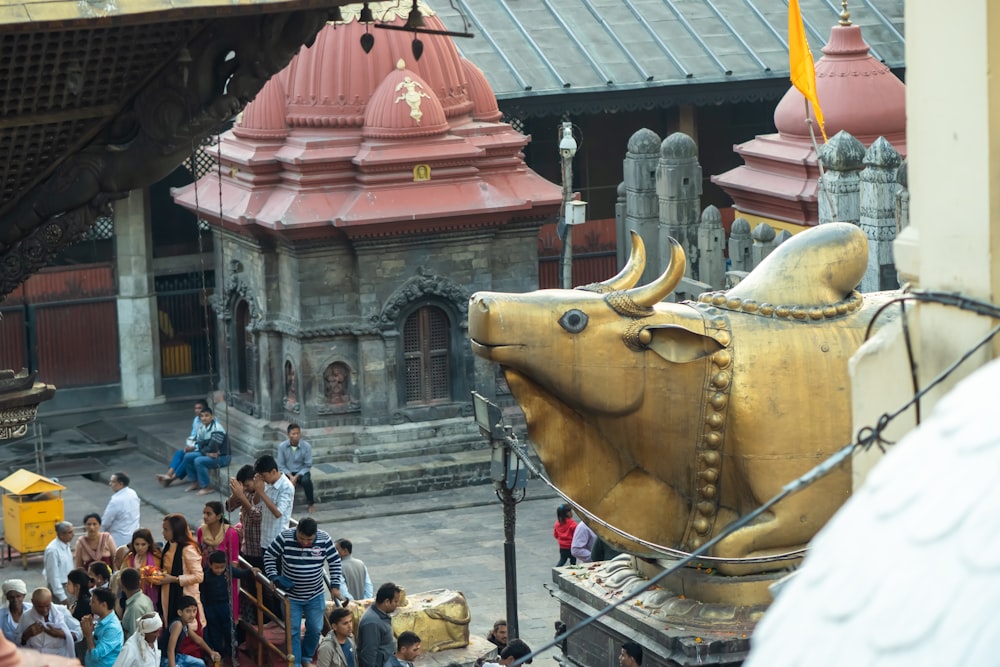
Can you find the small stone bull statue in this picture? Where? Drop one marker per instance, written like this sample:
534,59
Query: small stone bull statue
671,420
440,617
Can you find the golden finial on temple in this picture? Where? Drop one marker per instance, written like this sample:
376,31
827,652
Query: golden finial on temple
845,16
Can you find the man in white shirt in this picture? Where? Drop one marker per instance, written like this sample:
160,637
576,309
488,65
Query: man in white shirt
584,540
121,516
58,561
277,493
48,628
142,648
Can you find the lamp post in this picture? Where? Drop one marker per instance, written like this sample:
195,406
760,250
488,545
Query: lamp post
567,150
508,477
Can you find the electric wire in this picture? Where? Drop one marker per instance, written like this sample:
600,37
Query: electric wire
864,440
206,314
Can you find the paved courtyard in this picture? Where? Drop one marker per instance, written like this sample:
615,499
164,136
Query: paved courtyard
424,541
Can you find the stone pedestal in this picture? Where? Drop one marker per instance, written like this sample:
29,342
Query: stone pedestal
673,628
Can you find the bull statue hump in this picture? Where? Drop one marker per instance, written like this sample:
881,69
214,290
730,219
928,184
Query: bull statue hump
815,269
671,420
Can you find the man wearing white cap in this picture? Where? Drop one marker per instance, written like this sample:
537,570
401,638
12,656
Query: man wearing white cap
14,591
142,649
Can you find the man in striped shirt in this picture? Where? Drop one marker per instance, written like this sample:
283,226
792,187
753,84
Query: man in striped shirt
294,562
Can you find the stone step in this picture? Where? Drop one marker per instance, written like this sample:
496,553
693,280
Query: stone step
344,481
160,440
406,467
403,449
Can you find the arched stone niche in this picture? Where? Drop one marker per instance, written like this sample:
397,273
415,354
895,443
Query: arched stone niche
417,288
337,392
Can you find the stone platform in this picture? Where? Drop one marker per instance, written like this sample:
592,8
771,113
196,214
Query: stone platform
348,462
673,629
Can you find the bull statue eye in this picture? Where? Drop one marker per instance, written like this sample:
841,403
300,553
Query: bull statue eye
574,321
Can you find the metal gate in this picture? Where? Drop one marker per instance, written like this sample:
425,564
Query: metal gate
64,324
180,300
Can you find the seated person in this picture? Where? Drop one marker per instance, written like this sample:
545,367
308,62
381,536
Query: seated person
515,650
337,648
407,649
498,635
295,463
142,649
187,612
14,591
48,628
212,452
176,471
100,575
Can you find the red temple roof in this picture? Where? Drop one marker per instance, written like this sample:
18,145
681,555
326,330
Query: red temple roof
372,144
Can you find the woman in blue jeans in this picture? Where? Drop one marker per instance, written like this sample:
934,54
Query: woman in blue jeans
212,452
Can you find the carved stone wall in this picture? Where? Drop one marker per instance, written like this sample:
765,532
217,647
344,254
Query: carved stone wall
326,321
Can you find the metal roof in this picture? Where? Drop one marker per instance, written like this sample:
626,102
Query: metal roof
680,51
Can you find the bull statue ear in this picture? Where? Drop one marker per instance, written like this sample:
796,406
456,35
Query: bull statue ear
677,344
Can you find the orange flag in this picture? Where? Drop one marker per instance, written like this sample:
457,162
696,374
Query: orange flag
801,61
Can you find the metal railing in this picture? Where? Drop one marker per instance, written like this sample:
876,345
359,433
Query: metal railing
263,615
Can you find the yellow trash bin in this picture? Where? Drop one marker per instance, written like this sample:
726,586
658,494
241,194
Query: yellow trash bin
32,506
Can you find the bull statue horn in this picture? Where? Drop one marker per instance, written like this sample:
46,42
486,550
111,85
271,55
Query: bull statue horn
656,291
630,273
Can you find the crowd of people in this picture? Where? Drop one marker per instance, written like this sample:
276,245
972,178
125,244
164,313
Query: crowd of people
207,449
118,597
175,602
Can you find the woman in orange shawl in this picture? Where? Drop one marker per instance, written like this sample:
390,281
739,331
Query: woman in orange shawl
181,565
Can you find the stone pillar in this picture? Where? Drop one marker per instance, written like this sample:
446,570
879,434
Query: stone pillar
878,215
641,205
138,317
838,196
378,392
711,247
621,231
678,187
902,199
739,246
763,243
781,237
270,370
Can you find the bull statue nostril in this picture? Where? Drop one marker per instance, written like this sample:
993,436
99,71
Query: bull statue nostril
481,304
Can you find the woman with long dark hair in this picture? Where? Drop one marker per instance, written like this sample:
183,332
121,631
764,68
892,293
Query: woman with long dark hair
78,581
140,553
78,585
215,534
563,532
181,565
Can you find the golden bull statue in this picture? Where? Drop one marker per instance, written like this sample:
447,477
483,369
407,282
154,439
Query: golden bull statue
671,420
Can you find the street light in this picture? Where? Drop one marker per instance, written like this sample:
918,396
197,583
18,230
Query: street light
567,150
508,476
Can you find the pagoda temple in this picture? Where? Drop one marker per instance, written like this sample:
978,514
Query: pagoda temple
359,201
778,184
